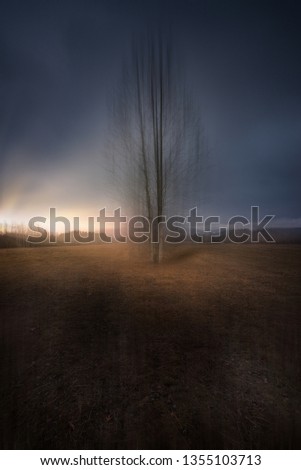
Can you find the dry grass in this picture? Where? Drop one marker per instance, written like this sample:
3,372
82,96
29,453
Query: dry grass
101,349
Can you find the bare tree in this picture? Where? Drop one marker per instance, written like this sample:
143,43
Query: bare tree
158,136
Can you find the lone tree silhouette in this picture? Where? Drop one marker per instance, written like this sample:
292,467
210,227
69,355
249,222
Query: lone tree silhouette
158,136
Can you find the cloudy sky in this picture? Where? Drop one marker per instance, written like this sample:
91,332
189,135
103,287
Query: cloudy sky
59,59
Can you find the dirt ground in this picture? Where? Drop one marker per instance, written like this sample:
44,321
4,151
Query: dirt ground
100,349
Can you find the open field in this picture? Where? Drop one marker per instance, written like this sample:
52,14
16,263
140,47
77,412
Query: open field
101,349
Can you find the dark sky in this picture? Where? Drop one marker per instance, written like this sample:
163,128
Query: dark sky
58,60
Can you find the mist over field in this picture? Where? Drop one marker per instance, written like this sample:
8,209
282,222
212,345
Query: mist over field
150,224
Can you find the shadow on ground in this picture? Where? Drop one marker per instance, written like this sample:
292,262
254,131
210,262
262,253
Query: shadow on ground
102,352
